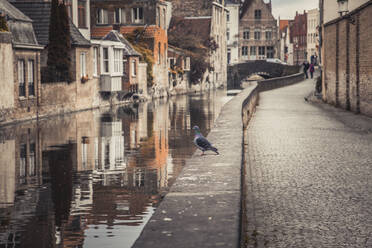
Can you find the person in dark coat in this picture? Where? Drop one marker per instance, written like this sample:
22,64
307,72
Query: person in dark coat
311,69
306,67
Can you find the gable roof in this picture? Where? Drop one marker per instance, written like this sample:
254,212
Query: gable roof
19,25
39,12
114,35
248,3
12,12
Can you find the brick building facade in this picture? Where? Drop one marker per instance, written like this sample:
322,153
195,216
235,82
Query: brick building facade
347,61
258,31
298,32
129,16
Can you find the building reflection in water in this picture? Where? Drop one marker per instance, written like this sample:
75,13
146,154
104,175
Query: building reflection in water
93,179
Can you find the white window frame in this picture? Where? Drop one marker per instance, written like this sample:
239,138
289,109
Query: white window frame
118,61
133,65
31,76
95,61
102,16
122,18
136,15
105,60
246,34
21,76
257,35
83,64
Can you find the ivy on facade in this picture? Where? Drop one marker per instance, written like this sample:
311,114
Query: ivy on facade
142,46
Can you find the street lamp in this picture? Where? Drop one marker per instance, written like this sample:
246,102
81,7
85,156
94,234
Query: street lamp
343,7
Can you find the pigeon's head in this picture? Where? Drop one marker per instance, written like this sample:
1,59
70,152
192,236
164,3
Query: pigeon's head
196,128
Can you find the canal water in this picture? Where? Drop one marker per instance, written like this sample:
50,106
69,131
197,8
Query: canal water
93,179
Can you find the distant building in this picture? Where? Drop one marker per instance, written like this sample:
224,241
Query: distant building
215,12
298,36
312,35
258,31
179,71
232,32
285,45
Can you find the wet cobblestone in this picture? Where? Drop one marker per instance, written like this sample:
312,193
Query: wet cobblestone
309,174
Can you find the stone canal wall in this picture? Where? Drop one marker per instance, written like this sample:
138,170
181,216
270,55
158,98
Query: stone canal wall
205,206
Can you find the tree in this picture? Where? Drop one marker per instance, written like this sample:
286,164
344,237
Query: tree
59,46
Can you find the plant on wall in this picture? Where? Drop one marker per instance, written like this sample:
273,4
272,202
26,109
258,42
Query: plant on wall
140,44
59,46
3,24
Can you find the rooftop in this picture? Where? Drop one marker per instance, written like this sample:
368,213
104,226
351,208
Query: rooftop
39,12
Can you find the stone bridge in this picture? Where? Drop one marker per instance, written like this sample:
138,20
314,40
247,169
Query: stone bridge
239,72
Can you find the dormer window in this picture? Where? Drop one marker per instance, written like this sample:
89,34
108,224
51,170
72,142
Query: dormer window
257,14
137,15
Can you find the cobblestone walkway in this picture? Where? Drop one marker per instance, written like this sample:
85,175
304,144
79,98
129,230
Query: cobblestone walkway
309,173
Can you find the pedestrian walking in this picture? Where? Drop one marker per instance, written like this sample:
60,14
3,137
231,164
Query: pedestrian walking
306,67
312,69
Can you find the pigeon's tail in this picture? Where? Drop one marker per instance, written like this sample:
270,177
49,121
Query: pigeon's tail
214,149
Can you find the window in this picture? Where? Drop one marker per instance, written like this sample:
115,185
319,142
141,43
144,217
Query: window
134,69
137,15
228,34
95,61
31,159
117,60
82,17
228,17
268,35
253,51
159,60
171,63
21,78
105,58
257,14
246,35
102,16
30,78
83,70
228,55
257,35
119,15
270,52
125,65
244,51
165,19
22,160
261,51
165,55
158,16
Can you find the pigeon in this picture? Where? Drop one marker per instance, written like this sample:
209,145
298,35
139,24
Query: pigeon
202,143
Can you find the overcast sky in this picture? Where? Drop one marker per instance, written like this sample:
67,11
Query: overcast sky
286,9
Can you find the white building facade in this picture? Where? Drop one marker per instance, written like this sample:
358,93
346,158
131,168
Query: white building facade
312,34
232,32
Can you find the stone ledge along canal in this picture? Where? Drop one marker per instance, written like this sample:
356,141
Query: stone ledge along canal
94,178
